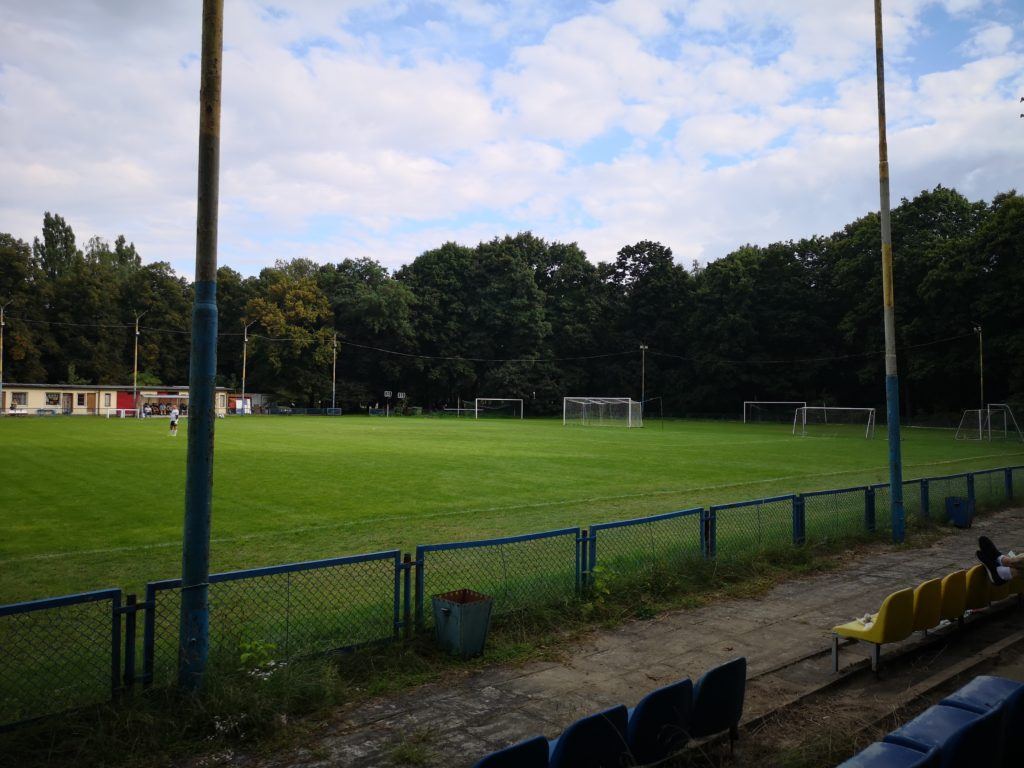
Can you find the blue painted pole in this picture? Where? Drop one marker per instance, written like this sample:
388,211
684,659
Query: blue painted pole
892,385
194,634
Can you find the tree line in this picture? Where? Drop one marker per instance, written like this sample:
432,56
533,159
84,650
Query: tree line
519,316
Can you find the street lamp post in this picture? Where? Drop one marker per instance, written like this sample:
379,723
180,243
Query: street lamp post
892,387
643,373
135,366
334,372
245,356
981,380
3,308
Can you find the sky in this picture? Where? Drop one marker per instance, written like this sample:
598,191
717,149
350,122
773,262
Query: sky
381,129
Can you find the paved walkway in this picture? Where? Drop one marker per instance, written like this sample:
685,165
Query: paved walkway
499,706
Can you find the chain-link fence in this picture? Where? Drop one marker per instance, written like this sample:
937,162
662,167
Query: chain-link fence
280,613
59,653
66,652
745,527
833,515
517,571
645,545
989,488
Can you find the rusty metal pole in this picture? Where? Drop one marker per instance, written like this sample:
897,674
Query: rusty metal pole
892,387
195,565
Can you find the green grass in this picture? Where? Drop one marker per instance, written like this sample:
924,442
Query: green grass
90,503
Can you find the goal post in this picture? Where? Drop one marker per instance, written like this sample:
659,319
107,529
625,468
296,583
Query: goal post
993,422
758,410
602,411
833,417
498,406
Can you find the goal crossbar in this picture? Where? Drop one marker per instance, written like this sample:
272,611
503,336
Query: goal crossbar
983,424
800,417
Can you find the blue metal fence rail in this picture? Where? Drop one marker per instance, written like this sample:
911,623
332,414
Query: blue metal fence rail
71,651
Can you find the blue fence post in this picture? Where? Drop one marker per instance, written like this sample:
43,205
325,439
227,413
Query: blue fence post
925,511
418,597
708,545
115,644
582,545
970,490
129,641
1008,481
869,509
799,521
592,556
407,595
149,636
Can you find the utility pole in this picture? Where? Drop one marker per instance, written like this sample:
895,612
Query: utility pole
892,387
194,628
245,356
3,308
981,380
334,372
135,368
643,373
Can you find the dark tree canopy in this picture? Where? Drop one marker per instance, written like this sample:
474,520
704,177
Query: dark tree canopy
518,316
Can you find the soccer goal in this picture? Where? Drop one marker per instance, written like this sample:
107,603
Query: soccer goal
994,422
770,410
833,420
490,407
602,411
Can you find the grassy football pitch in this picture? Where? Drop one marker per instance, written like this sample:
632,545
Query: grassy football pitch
90,503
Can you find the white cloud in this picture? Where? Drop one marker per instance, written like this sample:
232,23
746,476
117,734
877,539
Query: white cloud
702,123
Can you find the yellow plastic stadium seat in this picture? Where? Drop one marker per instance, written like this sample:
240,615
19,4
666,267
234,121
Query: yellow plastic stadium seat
927,604
977,588
954,596
893,622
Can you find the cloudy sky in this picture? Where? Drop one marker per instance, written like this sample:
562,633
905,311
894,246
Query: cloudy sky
383,128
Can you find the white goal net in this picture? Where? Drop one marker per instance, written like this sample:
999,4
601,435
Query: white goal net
833,421
994,422
602,411
780,411
498,407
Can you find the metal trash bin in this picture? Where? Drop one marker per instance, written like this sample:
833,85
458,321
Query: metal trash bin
461,620
959,511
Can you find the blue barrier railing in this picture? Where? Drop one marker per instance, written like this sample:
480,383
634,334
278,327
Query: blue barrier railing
64,652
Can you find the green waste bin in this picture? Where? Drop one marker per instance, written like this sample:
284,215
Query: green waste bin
461,620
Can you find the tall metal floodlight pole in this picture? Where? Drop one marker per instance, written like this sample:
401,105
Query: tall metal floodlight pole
643,373
194,632
3,308
334,372
892,387
981,380
245,358
135,365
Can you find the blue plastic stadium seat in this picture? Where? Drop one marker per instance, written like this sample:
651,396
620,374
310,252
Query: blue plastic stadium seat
882,755
595,741
532,753
987,692
963,738
718,700
659,724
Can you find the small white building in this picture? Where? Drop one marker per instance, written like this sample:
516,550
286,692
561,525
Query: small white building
97,399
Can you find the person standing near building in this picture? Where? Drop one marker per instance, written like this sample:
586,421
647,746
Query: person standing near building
174,421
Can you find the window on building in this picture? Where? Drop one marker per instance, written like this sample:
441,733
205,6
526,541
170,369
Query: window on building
19,398
222,400
81,399
106,399
53,398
